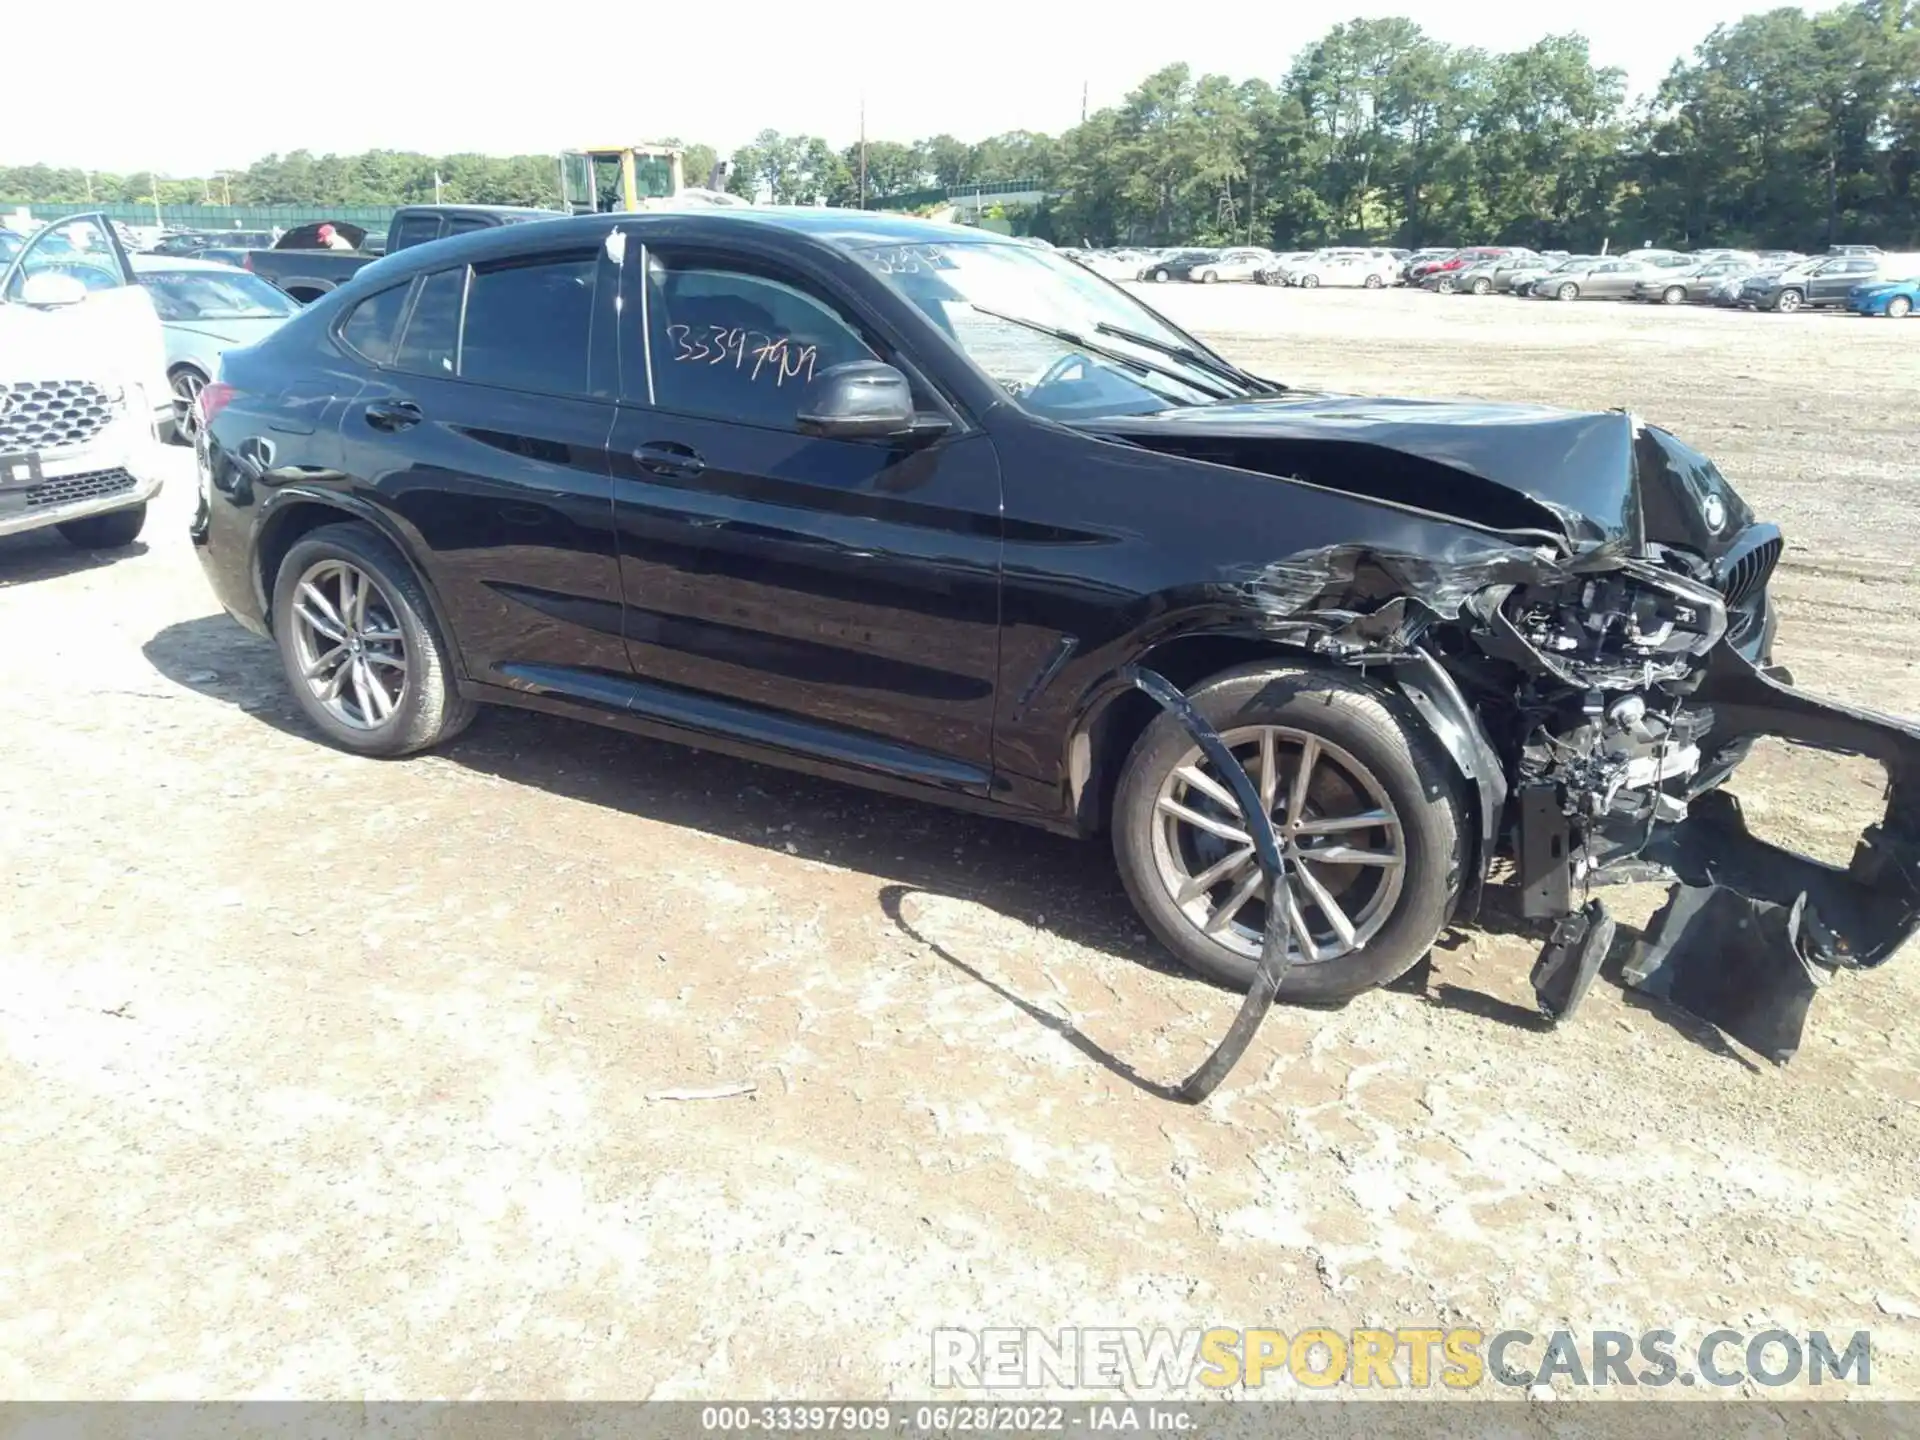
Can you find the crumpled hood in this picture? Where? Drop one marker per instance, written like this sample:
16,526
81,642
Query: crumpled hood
1563,470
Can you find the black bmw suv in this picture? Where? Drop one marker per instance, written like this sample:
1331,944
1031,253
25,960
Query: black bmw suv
915,506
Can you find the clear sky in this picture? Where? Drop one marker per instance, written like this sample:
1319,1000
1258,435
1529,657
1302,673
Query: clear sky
116,86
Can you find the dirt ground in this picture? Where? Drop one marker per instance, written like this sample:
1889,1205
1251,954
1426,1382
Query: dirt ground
324,1077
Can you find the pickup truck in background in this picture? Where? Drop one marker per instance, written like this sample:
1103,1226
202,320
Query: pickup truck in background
300,265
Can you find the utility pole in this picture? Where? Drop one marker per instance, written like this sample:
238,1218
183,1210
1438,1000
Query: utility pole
1083,102
154,181
89,177
863,152
436,187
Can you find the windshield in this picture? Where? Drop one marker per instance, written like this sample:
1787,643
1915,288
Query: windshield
990,297
210,295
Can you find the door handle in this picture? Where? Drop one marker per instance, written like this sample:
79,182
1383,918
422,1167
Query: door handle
669,457
391,415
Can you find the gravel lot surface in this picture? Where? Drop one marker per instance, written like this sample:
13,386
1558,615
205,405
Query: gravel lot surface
326,1077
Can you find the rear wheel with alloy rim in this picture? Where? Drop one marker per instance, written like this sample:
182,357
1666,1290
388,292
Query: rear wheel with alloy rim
186,383
360,648
1374,282
1483,286
1368,823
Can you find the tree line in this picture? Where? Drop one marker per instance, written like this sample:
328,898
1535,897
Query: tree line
1783,128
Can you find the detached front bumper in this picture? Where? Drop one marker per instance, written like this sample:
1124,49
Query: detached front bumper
1751,931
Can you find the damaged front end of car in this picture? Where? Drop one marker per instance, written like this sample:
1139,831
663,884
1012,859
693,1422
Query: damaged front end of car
1596,681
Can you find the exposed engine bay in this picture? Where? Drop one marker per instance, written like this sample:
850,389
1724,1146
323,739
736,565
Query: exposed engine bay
1595,685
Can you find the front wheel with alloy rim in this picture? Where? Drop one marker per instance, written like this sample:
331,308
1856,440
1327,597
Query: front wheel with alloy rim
186,383
1568,291
361,651
1309,282
1674,294
1788,302
1368,820
1899,307
1160,277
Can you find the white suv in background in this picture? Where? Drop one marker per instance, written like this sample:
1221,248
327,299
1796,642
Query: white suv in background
84,403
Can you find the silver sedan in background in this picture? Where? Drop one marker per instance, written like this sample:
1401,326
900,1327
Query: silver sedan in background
205,310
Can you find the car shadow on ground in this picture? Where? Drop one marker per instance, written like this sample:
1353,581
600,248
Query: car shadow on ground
1067,888
43,555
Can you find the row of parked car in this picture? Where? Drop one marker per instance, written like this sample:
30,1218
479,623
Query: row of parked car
1860,278
1369,267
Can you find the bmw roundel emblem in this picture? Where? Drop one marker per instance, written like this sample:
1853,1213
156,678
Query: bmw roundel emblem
1715,510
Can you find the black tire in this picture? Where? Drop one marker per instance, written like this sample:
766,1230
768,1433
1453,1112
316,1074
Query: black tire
1372,726
431,709
114,530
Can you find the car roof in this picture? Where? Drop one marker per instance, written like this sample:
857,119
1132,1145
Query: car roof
484,210
845,229
155,264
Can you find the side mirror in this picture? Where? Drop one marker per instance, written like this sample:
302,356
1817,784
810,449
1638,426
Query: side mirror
860,399
52,288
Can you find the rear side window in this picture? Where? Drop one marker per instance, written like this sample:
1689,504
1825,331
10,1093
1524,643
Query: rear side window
373,325
527,325
414,230
465,224
432,341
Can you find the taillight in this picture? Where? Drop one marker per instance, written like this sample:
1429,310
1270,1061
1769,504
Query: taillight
246,260
213,398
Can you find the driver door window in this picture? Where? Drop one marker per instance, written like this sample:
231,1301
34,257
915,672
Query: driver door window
82,248
730,345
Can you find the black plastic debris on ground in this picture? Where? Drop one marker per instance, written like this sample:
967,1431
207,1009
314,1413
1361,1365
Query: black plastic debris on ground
1277,938
1571,959
1735,962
